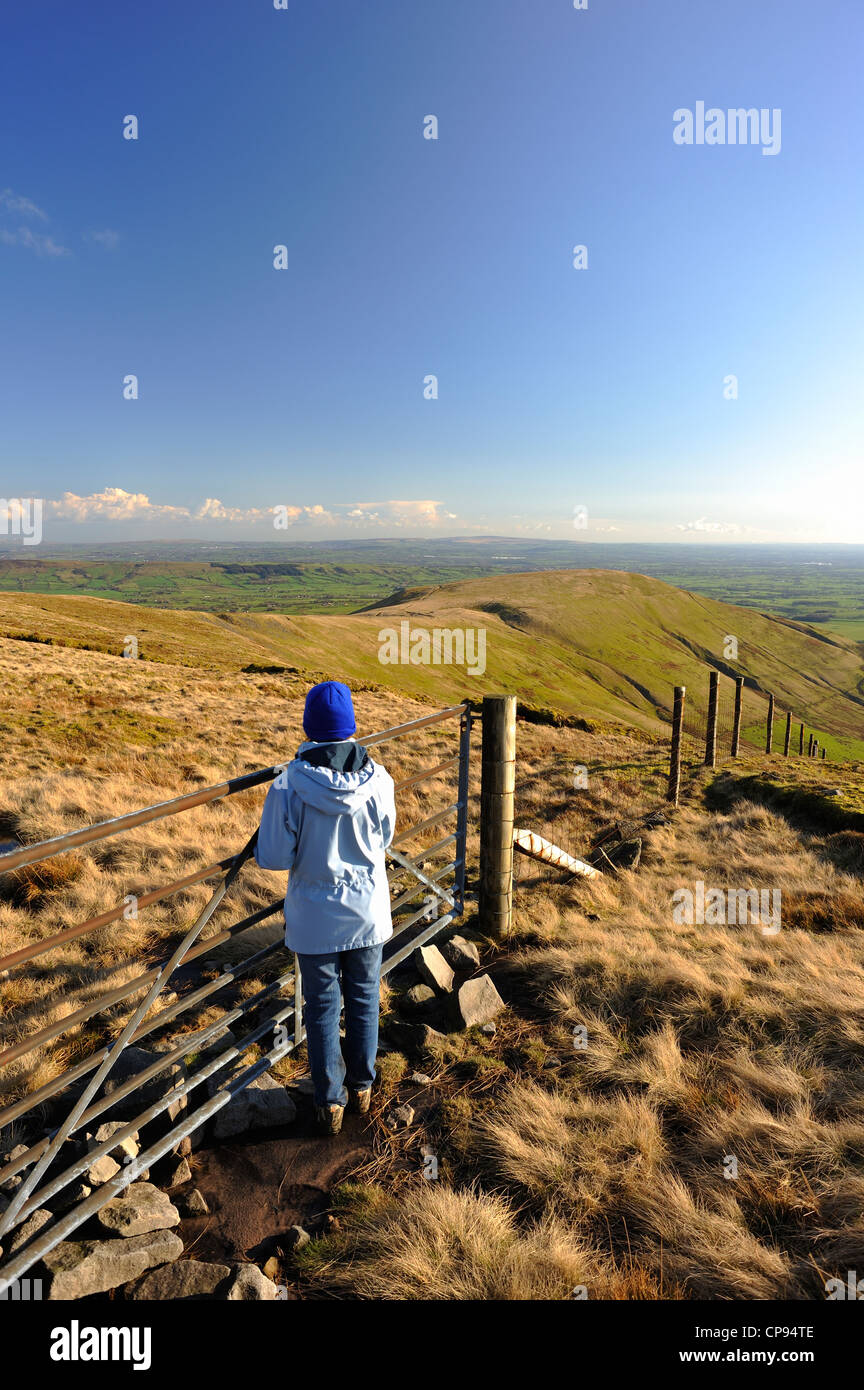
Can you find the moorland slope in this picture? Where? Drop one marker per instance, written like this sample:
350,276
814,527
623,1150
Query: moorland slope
592,643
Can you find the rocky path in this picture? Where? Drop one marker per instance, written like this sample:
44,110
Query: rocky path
258,1186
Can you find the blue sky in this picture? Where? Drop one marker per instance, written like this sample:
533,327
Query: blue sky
557,388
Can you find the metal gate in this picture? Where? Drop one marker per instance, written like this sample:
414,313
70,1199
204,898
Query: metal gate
39,1183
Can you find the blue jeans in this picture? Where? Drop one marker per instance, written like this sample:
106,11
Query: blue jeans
359,972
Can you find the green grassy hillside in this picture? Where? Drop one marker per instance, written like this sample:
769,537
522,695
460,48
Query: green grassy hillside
821,585
597,644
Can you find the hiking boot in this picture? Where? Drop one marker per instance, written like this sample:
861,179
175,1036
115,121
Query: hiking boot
358,1101
328,1118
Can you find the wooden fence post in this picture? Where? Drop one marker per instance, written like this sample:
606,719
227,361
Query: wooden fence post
497,804
736,718
788,735
810,747
823,752
815,752
711,726
769,725
675,751
801,742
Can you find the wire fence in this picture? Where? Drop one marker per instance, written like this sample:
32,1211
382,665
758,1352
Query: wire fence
588,809
746,720
614,782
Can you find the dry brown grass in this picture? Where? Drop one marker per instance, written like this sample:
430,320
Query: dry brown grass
605,1171
703,1043
439,1244
87,737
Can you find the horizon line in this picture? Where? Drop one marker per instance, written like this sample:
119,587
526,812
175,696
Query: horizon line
14,544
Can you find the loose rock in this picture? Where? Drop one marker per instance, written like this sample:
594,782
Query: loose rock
264,1104
478,1001
251,1286
131,1061
433,969
69,1197
185,1279
193,1203
413,1037
419,999
461,954
181,1173
214,1049
401,1118
141,1208
101,1170
81,1268
628,854
25,1233
10,1184
126,1148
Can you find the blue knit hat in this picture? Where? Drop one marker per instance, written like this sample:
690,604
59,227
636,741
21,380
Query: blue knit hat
329,713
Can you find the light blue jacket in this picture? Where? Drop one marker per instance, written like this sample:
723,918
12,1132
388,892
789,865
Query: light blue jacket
331,830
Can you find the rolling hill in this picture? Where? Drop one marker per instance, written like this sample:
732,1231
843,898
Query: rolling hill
819,585
595,644
558,1166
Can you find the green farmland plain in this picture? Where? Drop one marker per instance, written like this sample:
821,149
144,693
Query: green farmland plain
820,586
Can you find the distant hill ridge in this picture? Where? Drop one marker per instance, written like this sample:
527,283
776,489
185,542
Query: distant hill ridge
591,643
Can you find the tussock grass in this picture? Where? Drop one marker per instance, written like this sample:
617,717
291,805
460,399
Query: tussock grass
71,756
705,1044
437,1244
560,1167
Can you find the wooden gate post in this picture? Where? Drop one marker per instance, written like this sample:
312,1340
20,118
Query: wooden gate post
788,735
497,803
736,719
711,726
801,742
675,751
769,725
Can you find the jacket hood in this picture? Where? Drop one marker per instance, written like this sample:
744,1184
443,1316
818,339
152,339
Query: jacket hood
324,789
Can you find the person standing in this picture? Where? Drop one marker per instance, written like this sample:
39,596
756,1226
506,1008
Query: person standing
329,818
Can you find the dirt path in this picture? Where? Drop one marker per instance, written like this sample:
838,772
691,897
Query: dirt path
258,1186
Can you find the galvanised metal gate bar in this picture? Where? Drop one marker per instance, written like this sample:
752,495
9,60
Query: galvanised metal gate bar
39,1160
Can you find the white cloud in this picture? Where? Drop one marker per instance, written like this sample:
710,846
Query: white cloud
399,514
34,241
115,504
107,238
703,524
283,515
112,504
214,510
23,236
14,202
